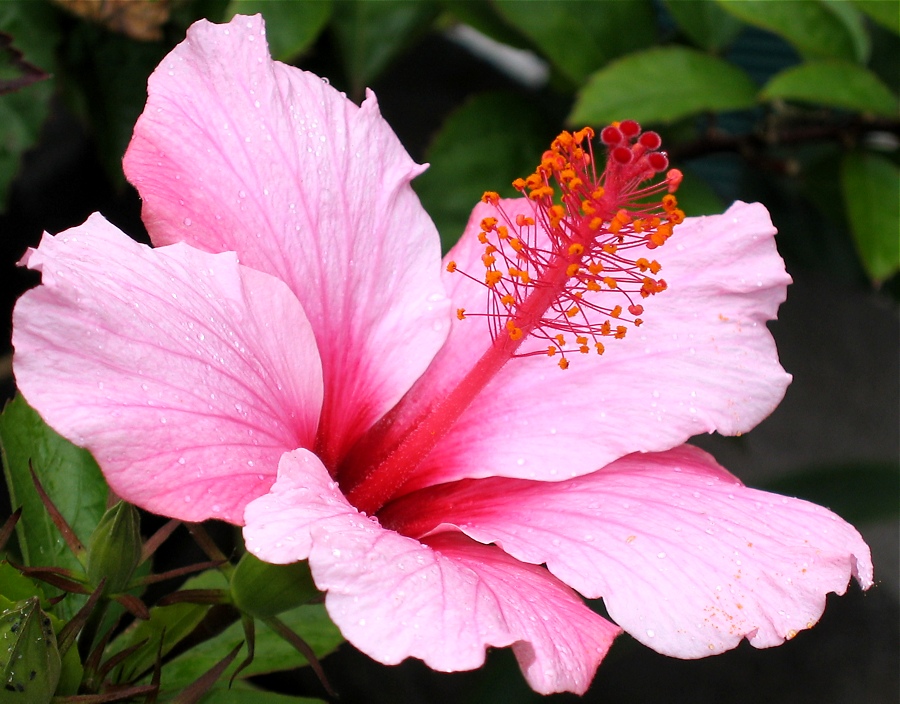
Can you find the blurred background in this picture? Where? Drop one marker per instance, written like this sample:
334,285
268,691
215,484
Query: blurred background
793,104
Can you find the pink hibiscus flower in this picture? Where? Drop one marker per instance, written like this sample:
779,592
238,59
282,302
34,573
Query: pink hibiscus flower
289,358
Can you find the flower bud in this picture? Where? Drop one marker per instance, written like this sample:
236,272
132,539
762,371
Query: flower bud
29,660
263,590
114,550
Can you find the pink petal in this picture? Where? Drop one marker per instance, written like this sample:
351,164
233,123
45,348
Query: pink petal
703,361
237,152
687,559
186,375
443,601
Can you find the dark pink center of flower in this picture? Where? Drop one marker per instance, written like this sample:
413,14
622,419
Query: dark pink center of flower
571,273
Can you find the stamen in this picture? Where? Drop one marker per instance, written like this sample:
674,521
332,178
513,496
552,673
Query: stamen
580,240
570,272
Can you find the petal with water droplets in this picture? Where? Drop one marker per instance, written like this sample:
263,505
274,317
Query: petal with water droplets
703,360
184,373
237,152
443,601
687,559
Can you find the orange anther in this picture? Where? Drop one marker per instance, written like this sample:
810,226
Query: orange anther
488,224
490,197
492,278
541,192
584,133
461,313
451,267
599,347
616,312
573,311
620,332
611,282
563,363
556,214
524,221
572,269
576,249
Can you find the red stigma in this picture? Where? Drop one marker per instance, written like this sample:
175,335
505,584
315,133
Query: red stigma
574,270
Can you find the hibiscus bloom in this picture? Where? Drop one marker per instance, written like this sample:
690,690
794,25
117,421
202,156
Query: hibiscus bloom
294,357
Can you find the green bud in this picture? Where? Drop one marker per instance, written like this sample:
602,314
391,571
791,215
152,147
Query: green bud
29,660
263,590
114,550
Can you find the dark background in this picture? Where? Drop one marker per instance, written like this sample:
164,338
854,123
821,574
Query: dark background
836,334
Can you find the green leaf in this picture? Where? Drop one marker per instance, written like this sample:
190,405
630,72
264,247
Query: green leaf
705,23
291,27
245,693
662,85
169,624
580,37
370,34
815,28
479,148
15,586
857,492
272,653
33,27
835,83
871,184
69,475
884,12
28,647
